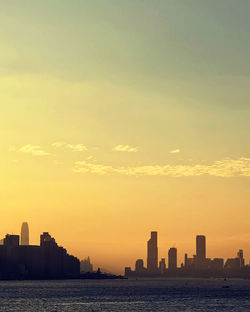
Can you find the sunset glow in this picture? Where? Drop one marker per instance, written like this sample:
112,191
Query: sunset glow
117,120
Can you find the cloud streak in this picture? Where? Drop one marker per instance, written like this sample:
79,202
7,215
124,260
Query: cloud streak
76,147
58,144
176,151
73,147
222,168
34,150
125,148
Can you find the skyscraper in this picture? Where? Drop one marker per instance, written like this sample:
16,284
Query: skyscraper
162,266
25,234
139,266
172,259
152,259
200,249
241,257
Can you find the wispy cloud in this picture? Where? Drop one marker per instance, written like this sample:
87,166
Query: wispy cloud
125,148
76,147
58,144
222,168
175,151
73,147
34,150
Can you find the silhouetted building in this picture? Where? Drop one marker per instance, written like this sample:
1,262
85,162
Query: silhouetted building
152,259
232,264
235,264
162,266
217,264
127,271
189,263
240,256
172,259
86,266
200,250
47,240
25,234
139,266
11,240
45,261
186,260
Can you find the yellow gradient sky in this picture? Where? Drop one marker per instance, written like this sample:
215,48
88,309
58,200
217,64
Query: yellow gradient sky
122,117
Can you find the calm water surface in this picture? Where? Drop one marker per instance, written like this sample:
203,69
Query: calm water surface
126,295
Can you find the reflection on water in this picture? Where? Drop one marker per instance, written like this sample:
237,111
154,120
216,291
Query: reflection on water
126,295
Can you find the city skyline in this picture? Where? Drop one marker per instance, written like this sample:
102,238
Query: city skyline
120,118
199,265
19,259
154,260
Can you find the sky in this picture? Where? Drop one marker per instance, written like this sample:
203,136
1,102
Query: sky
118,118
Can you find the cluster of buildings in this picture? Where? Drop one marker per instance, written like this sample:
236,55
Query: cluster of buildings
197,266
18,259
86,265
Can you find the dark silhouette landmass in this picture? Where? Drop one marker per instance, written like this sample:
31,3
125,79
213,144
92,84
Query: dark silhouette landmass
99,275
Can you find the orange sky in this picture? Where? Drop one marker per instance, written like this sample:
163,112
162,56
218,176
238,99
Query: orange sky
112,126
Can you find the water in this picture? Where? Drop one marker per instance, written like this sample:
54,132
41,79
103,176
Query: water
171,295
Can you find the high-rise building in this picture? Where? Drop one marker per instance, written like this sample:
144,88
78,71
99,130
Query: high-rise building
152,259
217,264
46,239
86,265
172,259
127,271
11,240
232,264
200,249
25,234
186,260
139,266
162,266
241,257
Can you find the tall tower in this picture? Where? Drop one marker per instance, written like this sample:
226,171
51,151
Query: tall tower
139,266
152,259
201,249
162,266
240,256
25,234
172,259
